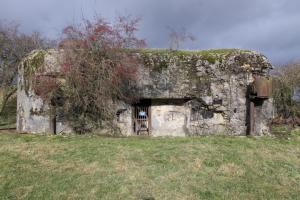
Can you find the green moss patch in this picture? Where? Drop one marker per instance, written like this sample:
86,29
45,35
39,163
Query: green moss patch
193,52
33,62
160,58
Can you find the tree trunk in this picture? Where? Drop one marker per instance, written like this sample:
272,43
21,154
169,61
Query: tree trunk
6,96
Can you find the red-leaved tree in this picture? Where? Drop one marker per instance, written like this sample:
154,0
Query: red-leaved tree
99,70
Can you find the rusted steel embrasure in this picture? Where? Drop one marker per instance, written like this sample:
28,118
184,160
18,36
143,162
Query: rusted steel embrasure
262,87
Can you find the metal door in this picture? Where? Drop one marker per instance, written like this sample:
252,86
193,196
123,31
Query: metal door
142,118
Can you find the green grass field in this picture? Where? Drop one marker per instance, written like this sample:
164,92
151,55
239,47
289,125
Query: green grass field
93,167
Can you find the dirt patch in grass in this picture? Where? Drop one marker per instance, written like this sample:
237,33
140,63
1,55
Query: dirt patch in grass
231,169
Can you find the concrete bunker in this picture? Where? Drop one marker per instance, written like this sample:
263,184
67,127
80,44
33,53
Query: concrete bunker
182,93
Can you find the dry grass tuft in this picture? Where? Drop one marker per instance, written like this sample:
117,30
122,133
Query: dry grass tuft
231,169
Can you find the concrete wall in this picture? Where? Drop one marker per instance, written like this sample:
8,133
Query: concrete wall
27,119
190,118
29,108
34,116
124,120
33,113
263,113
169,120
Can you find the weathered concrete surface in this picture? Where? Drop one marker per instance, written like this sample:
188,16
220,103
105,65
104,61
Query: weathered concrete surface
124,119
169,120
33,113
216,83
213,84
262,117
168,74
27,121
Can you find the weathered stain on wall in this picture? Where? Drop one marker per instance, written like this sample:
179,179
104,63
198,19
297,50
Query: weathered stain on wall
169,120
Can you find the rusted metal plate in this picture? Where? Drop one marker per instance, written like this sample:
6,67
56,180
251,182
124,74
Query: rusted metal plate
262,87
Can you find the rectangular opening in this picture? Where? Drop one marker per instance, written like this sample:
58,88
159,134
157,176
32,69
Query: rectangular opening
253,111
142,118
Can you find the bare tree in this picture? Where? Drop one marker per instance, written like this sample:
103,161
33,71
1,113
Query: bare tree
13,47
177,37
285,90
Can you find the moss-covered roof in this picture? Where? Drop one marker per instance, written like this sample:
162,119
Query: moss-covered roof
157,59
195,52
167,73
210,55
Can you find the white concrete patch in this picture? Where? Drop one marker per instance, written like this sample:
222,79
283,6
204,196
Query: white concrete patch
169,120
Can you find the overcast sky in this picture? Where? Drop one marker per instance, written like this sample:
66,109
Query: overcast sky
269,26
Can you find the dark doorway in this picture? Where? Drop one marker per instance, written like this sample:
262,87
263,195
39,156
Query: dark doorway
142,118
253,108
